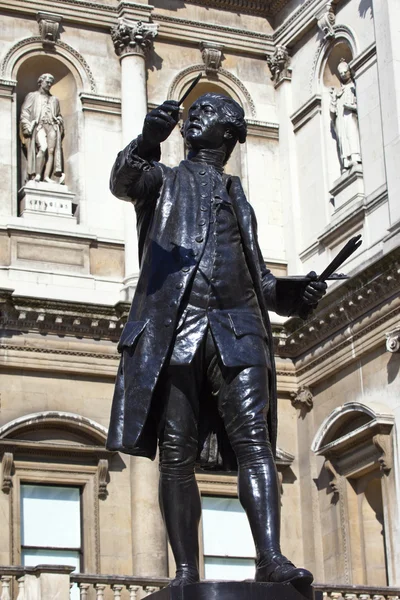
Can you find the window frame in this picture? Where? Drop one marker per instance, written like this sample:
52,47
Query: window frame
79,550
66,475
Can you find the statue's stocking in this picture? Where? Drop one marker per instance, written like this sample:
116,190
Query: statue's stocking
181,509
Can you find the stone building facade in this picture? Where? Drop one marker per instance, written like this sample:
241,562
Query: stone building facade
68,267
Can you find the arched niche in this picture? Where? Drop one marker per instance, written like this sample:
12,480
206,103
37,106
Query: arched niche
221,82
66,89
328,79
355,441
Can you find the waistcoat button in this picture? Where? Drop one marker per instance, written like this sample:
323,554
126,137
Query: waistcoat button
167,322
199,239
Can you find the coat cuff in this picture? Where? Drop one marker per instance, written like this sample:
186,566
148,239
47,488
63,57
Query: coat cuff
137,162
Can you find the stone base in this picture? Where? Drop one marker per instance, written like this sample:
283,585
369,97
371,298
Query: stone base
38,199
348,188
233,590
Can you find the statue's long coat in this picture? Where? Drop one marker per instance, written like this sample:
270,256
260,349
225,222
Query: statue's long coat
31,110
169,235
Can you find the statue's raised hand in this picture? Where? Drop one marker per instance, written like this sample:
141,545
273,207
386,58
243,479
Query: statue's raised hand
159,123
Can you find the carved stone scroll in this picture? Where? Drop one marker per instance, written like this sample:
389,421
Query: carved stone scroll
135,38
393,340
383,444
49,26
102,473
211,54
334,475
6,472
326,19
279,64
302,399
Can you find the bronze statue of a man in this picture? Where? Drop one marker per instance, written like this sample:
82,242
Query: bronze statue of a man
197,369
42,131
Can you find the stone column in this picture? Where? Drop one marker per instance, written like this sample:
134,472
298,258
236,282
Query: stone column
281,75
131,42
387,23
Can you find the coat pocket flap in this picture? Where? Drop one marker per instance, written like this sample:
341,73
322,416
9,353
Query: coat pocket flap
130,333
247,323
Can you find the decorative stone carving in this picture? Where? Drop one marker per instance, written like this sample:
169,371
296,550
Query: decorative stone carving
343,110
383,444
6,471
49,25
334,482
135,38
211,54
42,131
102,473
326,19
278,63
302,399
393,340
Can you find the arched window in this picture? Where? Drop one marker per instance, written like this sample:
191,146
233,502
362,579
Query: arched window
54,468
356,444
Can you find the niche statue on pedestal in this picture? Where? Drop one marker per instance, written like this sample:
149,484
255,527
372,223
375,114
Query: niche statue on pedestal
343,109
42,131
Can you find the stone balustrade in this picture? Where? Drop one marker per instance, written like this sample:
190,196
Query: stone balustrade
45,582
354,592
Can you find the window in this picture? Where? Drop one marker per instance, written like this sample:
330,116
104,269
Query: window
227,541
51,525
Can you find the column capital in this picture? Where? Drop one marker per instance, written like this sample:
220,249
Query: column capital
211,53
133,37
279,64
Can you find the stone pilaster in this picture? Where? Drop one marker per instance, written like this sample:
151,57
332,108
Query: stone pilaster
386,21
132,41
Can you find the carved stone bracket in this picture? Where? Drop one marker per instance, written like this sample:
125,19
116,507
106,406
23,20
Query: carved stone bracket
326,18
6,472
393,340
135,38
49,26
279,64
302,399
334,477
383,444
102,474
211,54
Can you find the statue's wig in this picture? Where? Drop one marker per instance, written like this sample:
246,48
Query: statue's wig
43,77
233,114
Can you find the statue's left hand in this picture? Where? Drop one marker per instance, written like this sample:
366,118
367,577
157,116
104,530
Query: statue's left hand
315,290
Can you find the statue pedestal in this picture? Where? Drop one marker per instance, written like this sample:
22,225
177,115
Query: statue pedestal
348,189
233,590
39,199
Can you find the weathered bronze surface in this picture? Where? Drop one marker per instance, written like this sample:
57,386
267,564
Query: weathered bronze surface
197,369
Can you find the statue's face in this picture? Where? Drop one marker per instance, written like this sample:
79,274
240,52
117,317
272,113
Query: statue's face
204,127
344,72
46,83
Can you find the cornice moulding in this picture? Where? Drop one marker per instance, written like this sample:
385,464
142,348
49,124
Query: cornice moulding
101,104
262,129
194,32
364,60
306,112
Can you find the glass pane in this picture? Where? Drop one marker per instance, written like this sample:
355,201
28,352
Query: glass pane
31,558
235,569
50,516
226,530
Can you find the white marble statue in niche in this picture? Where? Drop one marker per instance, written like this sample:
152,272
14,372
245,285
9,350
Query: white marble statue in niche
343,110
42,132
